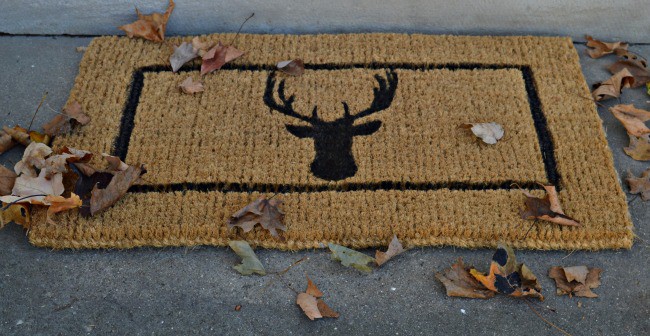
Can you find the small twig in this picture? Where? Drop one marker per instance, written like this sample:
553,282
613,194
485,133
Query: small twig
279,274
545,320
632,200
240,27
67,305
292,265
36,112
566,256
530,228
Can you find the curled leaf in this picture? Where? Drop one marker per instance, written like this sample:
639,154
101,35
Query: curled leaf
114,163
261,211
598,48
633,119
547,208
490,132
59,203
150,27
7,180
639,148
103,198
18,134
612,87
6,142
292,67
249,263
576,280
351,258
312,305
219,55
640,185
72,115
459,282
17,213
33,159
189,86
394,248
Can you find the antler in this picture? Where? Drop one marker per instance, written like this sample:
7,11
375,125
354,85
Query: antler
287,103
383,95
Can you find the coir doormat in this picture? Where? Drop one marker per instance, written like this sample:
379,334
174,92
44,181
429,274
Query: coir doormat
368,147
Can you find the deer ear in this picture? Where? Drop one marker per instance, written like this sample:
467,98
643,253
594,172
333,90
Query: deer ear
367,128
300,131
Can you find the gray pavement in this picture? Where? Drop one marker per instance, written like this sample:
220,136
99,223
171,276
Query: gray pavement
195,290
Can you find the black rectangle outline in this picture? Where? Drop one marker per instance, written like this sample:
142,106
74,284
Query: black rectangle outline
127,124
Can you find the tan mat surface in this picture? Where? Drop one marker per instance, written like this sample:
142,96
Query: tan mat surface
383,155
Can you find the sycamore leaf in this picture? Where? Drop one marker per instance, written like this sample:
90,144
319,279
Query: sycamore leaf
598,48
103,198
394,248
150,27
459,282
216,57
63,123
292,67
490,132
312,305
6,142
249,263
639,148
189,86
506,276
33,158
633,119
351,258
261,211
640,185
547,208
612,87
576,280
59,203
17,213
7,179
182,54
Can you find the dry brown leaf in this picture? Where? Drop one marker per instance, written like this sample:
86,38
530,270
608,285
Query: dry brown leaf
576,280
103,198
115,164
639,185
633,119
394,248
490,132
33,190
261,211
293,67
72,115
6,142
33,159
17,213
59,203
547,208
641,75
612,87
599,48
7,179
459,282
78,155
634,59
219,55
150,27
325,310
639,148
189,86
312,289
182,54
18,134
312,305
200,48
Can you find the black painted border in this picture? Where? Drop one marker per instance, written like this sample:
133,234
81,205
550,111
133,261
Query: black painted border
121,144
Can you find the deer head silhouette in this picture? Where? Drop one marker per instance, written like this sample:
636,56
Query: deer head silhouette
333,139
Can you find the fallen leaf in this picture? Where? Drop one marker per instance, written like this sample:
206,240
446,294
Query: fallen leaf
351,258
150,27
636,60
292,67
17,213
63,123
490,132
7,179
182,54
633,119
599,48
249,262
88,179
639,148
506,276
459,282
115,164
35,188
200,48
103,198
612,87
189,86
641,75
59,203
18,134
78,155
312,305
576,280
547,208
33,159
81,49
261,211
639,185
216,57
6,142
394,248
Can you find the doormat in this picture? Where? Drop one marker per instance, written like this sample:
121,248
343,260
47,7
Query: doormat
365,145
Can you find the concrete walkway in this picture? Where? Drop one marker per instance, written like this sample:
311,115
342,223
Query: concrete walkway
195,290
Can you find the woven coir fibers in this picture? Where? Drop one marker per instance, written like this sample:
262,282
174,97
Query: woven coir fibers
398,166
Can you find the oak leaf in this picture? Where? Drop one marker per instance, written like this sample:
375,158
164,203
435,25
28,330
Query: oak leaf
576,280
249,263
182,54
312,305
598,48
103,198
459,282
219,55
547,208
72,115
612,87
261,211
7,180
640,185
394,248
17,213
292,67
150,27
59,203
633,119
639,148
351,258
490,132
189,86
641,74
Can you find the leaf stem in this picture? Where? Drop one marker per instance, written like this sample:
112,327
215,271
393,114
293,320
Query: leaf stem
36,112
240,27
545,320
